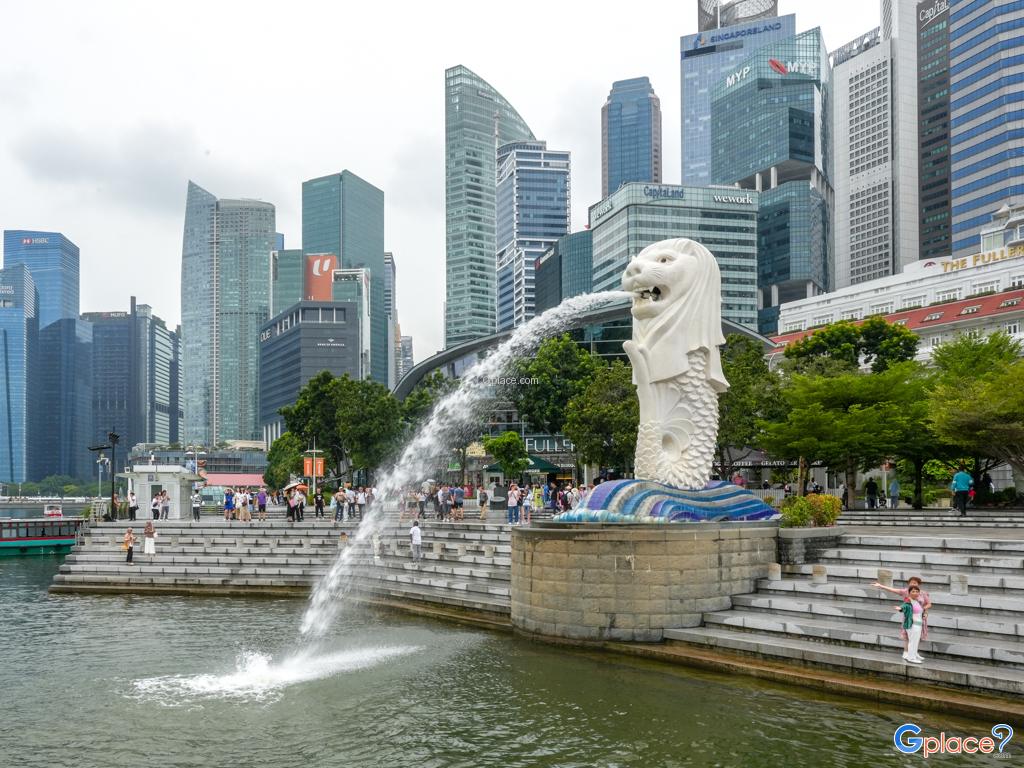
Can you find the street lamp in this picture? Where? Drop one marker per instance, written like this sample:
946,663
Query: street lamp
100,463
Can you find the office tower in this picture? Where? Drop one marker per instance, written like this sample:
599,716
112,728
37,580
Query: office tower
278,241
19,339
343,215
53,261
986,88
565,270
355,286
933,129
706,58
477,120
407,358
532,212
712,14
630,135
63,430
286,276
136,377
308,337
636,215
225,299
771,128
391,307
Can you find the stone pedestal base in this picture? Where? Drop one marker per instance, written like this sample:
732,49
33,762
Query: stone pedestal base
596,581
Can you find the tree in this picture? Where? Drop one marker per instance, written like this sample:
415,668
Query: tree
509,453
875,341
369,422
985,415
418,404
314,416
559,371
754,395
284,459
851,420
602,420
53,485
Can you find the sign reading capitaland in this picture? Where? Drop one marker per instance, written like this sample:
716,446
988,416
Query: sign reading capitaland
982,259
927,15
661,191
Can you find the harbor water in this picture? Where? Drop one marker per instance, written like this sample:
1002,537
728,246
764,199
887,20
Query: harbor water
110,681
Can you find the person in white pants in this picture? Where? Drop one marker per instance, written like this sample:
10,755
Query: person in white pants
913,622
416,542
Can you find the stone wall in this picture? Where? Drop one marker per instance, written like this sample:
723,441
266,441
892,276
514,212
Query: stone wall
611,581
805,545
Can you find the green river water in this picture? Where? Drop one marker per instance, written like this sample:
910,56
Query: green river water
111,681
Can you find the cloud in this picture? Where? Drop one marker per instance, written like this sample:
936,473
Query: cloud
417,181
145,168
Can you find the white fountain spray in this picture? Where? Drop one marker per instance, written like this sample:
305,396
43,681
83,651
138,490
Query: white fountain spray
452,416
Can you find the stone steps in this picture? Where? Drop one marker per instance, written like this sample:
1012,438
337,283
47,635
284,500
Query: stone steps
1012,546
874,635
868,572
976,562
934,519
946,672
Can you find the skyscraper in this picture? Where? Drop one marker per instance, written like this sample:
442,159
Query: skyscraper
986,88
225,299
64,428
477,121
532,212
630,135
135,376
344,215
407,359
391,307
933,129
286,277
565,270
712,14
19,339
707,58
771,128
53,261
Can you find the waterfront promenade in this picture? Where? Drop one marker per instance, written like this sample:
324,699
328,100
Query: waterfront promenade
815,621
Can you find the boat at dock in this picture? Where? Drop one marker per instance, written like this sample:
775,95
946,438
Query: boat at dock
38,536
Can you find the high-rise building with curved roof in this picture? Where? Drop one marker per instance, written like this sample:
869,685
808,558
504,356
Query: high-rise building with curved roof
477,120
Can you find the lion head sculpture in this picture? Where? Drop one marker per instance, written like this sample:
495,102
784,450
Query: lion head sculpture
677,307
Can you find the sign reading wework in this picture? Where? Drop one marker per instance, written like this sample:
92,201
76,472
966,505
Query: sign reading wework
747,199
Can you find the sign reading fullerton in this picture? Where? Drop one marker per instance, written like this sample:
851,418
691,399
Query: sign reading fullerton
981,259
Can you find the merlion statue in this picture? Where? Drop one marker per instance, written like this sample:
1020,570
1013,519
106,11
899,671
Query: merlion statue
677,368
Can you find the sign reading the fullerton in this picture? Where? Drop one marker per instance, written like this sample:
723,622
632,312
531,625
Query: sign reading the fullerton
660,191
981,259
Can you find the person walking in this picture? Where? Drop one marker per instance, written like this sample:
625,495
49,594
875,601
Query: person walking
924,597
318,502
197,505
513,504
416,542
482,499
361,502
527,503
133,505
458,499
165,505
149,539
961,487
894,493
129,545
229,504
871,489
154,506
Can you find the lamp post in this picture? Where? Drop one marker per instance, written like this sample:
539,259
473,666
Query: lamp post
100,462
313,453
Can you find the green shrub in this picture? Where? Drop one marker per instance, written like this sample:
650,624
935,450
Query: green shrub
815,509
825,510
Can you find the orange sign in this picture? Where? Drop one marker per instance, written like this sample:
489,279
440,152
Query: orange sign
311,467
319,278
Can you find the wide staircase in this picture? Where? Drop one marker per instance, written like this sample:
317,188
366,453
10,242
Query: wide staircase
936,517
838,620
464,566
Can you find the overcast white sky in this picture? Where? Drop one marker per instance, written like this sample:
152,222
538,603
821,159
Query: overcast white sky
108,108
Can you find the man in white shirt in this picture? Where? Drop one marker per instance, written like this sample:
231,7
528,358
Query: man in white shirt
416,538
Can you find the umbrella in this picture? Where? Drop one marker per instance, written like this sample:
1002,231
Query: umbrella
300,486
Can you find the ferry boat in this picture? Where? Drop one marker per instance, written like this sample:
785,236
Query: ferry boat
38,536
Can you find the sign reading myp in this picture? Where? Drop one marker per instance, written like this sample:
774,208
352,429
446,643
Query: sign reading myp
663,191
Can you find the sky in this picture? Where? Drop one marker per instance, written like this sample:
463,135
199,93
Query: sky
107,109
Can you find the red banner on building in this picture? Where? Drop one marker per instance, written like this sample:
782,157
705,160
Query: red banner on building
318,284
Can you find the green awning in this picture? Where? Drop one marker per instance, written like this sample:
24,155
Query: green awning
537,464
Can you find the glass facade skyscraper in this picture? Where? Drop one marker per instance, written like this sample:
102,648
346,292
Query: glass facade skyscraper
225,299
344,215
723,220
477,120
630,135
566,270
64,428
706,58
933,129
287,270
771,128
19,339
532,212
986,100
53,261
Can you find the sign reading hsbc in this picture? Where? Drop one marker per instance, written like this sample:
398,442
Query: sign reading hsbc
35,241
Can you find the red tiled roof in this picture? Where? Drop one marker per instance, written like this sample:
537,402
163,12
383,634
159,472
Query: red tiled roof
914,319
227,478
